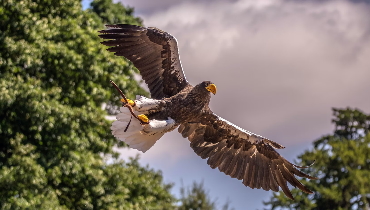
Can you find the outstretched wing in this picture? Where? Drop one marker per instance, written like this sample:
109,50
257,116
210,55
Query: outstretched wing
152,51
242,154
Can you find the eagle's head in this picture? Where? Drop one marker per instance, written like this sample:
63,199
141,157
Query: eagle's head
209,86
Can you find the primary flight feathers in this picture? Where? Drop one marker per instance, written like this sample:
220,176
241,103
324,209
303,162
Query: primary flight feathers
175,103
152,51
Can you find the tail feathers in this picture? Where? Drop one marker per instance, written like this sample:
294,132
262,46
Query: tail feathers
143,144
129,130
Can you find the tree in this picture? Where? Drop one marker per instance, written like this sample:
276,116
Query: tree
342,165
54,79
197,198
114,12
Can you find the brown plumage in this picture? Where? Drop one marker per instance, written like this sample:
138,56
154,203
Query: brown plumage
154,52
233,150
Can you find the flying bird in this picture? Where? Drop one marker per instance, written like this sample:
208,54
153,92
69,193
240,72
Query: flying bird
176,103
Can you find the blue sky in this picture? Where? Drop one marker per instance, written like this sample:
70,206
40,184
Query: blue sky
283,63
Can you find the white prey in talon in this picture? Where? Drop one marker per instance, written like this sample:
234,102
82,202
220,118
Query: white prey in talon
136,135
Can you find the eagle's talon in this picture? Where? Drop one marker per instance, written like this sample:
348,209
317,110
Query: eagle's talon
129,104
143,118
129,101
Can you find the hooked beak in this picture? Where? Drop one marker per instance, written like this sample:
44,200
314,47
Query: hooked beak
212,88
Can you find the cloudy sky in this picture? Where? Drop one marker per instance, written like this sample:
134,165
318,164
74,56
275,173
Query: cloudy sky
279,66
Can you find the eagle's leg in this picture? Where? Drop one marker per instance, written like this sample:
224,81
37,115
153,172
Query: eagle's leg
146,105
159,126
129,104
142,106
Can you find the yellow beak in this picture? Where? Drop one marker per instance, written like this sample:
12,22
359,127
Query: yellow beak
212,88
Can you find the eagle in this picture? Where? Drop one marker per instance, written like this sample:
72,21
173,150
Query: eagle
175,103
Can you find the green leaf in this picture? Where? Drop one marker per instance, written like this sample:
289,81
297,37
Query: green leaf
54,79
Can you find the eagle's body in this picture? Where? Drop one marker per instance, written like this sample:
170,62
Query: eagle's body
188,104
175,103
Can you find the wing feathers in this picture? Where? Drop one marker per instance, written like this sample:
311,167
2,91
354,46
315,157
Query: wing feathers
226,160
119,42
242,154
258,174
232,166
266,174
153,52
273,181
241,166
283,184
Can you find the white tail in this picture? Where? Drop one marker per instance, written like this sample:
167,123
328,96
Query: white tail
137,136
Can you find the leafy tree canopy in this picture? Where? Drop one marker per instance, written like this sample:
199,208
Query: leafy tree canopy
114,12
54,79
342,165
197,198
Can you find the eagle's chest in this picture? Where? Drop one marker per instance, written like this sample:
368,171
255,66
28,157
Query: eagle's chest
185,109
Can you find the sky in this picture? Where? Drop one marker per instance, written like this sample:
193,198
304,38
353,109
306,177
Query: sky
279,66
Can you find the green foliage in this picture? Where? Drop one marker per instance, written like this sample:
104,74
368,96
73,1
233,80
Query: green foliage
114,13
342,165
195,198
54,79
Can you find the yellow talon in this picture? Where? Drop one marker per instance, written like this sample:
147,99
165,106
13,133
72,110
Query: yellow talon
143,118
129,101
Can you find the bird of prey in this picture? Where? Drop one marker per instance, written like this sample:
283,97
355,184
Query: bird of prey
176,103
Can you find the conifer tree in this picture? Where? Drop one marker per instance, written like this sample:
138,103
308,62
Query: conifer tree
342,165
